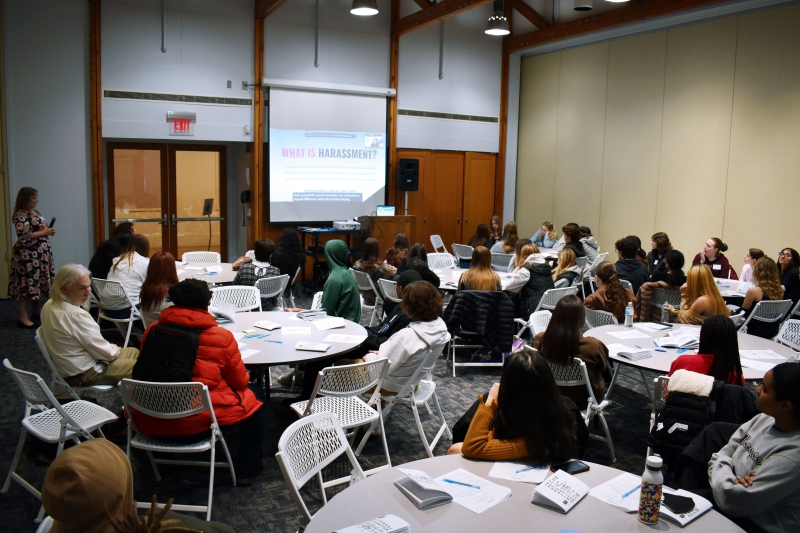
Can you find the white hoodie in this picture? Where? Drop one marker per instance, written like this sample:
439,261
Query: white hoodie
520,276
404,350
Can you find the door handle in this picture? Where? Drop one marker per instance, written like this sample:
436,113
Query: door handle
162,220
175,219
424,220
458,221
466,221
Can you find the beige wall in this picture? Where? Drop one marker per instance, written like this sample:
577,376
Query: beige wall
693,130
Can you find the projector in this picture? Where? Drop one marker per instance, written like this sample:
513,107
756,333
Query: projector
346,225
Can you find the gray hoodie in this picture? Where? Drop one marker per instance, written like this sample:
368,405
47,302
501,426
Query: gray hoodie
591,247
773,501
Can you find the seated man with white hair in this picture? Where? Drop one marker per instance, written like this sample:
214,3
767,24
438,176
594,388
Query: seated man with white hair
73,338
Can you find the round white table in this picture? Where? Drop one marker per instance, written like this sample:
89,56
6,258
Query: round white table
377,496
224,277
661,361
449,278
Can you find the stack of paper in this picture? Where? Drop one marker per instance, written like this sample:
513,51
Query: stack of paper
312,314
473,492
347,339
678,339
329,323
520,472
628,334
763,366
560,492
213,269
760,354
312,346
384,524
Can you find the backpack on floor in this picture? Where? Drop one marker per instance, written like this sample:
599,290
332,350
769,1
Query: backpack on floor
167,355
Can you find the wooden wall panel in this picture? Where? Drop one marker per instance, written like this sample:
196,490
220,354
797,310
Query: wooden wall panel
536,149
698,95
634,108
479,193
579,141
443,197
764,170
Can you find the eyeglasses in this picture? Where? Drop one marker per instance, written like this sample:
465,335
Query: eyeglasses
785,254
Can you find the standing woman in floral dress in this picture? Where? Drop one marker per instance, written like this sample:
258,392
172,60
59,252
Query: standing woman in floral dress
32,269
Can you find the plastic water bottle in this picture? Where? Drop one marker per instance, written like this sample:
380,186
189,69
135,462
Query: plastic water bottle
664,315
629,315
650,495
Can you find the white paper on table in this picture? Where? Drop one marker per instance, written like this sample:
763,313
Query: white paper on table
194,268
180,263
651,326
347,339
758,365
248,353
622,492
422,479
743,287
238,335
181,272
295,331
614,348
701,505
329,323
213,269
760,354
520,472
476,500
629,334
383,524
728,292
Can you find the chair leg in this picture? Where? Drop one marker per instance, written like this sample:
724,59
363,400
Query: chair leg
15,462
646,386
322,488
153,463
441,416
613,379
420,429
212,467
228,456
128,334
608,436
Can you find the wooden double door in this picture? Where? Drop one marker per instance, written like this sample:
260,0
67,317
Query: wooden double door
456,194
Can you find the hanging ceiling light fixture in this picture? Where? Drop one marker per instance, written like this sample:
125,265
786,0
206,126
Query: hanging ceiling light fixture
364,8
586,5
498,23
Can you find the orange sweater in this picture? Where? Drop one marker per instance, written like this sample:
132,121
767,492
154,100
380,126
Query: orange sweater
480,442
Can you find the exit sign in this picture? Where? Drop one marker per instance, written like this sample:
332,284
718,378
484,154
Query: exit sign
181,126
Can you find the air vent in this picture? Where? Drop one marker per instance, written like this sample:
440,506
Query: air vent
187,98
446,116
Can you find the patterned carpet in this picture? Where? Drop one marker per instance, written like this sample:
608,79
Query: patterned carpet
267,506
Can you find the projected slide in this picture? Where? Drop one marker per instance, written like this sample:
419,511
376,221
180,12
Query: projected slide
327,155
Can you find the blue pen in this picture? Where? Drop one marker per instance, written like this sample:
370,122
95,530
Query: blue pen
682,350
637,346
276,342
537,467
634,489
460,483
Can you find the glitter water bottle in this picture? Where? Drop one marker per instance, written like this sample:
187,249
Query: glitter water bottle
650,496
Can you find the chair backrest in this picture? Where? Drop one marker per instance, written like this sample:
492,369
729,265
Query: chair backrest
462,251
790,334
551,297
595,319
389,289
241,297
501,261
273,286
364,282
572,375
665,296
795,310
437,243
441,260
599,259
539,320
316,301
57,381
627,285
349,380
435,352
46,525
309,445
110,294
203,257
430,354
737,318
582,262
768,311
249,253
166,400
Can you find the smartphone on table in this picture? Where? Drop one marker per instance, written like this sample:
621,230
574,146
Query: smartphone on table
571,467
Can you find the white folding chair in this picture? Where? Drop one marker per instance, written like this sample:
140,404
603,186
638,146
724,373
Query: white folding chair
795,310
337,390
389,290
462,252
441,260
582,262
595,319
57,381
111,295
592,270
46,525
561,284
374,312
241,297
171,401
273,287
538,322
770,311
551,297
415,393
316,300
738,318
291,294
306,447
789,334
52,423
500,262
249,253
437,243
574,375
659,398
203,257
662,297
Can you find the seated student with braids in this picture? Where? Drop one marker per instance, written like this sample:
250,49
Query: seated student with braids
718,353
522,417
610,295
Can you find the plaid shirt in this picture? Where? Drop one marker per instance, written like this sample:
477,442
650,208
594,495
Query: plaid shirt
249,273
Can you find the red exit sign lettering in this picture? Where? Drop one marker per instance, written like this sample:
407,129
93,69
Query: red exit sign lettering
181,125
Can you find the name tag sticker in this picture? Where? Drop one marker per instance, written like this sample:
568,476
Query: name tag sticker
716,267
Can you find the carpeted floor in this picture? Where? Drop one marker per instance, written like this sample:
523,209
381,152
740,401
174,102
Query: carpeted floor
267,506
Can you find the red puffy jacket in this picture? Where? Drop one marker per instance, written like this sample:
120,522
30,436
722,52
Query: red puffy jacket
218,365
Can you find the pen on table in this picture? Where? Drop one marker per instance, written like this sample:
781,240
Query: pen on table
460,483
276,342
634,489
538,467
637,346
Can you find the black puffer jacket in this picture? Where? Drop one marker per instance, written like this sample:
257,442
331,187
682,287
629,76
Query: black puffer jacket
489,313
539,282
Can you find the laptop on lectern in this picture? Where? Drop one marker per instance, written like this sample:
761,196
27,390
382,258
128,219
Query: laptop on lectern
385,211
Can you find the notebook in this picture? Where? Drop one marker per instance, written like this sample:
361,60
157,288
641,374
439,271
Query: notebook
423,491
266,324
312,346
678,340
560,492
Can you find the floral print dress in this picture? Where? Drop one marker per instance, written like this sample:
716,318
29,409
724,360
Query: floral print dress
32,269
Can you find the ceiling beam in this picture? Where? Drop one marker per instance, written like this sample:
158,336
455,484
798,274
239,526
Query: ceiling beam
633,12
424,4
429,15
531,14
265,8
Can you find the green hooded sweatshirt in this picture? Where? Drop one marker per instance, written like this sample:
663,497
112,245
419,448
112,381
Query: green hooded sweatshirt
340,296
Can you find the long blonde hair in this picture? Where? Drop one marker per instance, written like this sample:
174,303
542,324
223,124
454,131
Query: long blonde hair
566,259
551,231
700,282
525,253
510,236
480,276
765,276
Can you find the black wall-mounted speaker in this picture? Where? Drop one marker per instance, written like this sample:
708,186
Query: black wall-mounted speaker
408,175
